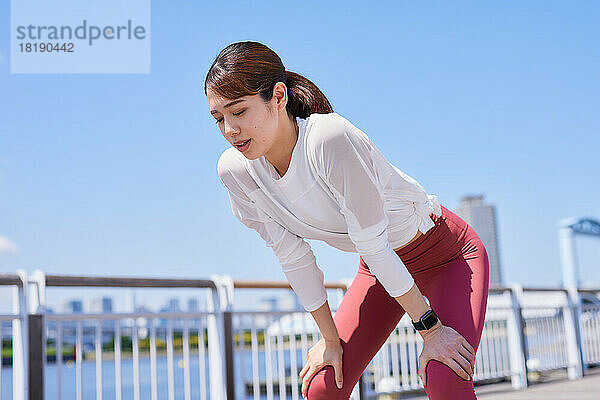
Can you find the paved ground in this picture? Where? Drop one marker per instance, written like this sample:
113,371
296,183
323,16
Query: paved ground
556,387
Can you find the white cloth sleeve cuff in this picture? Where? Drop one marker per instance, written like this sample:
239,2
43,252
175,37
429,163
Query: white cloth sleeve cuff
390,271
307,283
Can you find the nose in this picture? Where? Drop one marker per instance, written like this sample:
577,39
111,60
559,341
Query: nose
229,129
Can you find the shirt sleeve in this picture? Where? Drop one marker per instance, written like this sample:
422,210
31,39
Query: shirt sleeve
342,157
295,255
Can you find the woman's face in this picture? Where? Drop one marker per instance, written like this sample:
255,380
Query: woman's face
247,120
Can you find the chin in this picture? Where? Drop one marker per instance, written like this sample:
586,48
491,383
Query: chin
251,156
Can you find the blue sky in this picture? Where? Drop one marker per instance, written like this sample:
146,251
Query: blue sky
115,174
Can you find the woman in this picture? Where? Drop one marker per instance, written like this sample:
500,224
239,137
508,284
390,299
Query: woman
297,170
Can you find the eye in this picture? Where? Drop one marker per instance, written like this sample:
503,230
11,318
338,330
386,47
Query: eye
236,114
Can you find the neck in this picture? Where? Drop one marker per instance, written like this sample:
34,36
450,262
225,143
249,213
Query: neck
280,155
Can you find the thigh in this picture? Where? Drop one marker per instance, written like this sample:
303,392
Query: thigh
457,292
365,319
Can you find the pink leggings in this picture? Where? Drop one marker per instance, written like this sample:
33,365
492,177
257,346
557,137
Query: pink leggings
450,267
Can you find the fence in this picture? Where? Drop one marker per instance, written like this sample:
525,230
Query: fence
227,353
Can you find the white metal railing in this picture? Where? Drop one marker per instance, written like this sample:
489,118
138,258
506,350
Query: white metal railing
140,374
222,353
17,332
270,366
71,330
517,338
590,320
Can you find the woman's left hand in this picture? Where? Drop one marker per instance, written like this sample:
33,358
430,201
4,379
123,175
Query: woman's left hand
446,345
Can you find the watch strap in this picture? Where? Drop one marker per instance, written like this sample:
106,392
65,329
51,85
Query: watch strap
427,321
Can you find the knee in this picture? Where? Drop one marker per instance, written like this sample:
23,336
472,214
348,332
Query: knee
322,386
444,384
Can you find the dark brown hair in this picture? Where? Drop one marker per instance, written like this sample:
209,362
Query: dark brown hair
249,68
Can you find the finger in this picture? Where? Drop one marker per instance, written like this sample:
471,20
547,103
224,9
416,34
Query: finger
306,380
465,355
337,367
464,362
468,346
458,370
303,370
421,371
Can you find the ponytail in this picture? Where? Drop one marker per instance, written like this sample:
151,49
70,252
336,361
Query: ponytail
250,68
305,97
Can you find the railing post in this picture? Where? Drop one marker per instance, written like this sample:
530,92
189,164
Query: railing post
361,386
516,339
19,339
216,341
571,318
582,333
35,378
220,352
229,367
37,335
226,289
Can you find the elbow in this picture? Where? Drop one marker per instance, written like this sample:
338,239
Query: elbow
376,246
403,290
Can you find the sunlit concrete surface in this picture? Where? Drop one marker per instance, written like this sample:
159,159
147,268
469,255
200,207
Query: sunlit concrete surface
556,387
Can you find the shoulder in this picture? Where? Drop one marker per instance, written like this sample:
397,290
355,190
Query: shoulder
333,132
233,172
231,162
323,128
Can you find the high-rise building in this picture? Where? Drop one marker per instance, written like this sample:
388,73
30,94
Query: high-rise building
73,306
171,306
193,305
482,218
102,304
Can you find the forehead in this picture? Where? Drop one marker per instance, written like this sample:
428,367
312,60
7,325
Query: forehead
215,100
219,101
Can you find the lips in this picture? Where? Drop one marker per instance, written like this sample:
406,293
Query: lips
239,144
243,146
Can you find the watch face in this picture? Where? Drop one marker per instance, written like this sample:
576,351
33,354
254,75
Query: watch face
429,320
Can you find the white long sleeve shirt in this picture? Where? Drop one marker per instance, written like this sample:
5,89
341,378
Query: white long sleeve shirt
339,189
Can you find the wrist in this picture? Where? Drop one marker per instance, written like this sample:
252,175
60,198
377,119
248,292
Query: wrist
426,333
328,341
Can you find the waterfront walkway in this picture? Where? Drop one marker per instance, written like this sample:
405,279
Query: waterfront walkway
556,388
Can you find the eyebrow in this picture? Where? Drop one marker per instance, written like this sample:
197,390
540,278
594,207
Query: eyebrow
228,105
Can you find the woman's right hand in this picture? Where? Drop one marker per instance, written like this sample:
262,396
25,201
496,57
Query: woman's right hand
446,345
323,353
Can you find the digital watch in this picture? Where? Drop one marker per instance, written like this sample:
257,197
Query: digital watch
427,321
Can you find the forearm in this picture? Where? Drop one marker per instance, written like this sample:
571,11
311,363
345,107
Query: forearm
415,306
324,320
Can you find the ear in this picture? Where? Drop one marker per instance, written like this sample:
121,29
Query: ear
280,95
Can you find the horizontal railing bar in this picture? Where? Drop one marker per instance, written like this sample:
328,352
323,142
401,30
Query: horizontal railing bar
113,281
102,281
263,284
544,289
589,290
531,289
73,317
260,312
267,312
10,280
